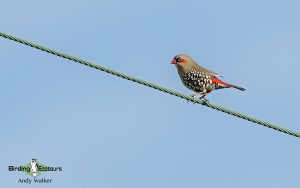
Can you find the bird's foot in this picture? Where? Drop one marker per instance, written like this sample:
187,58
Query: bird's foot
193,96
203,99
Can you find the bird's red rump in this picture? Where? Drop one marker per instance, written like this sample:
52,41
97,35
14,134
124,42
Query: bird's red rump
216,80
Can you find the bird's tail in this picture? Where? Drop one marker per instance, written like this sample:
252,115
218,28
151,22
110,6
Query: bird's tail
238,87
216,80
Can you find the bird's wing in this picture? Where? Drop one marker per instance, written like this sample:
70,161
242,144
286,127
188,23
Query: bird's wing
213,73
209,72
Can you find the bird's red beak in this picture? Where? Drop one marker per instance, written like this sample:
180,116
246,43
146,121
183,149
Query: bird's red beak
173,61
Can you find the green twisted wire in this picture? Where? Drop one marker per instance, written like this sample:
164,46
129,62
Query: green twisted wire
149,84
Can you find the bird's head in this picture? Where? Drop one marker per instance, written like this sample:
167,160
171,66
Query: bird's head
182,60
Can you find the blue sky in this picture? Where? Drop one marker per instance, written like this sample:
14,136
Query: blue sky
111,133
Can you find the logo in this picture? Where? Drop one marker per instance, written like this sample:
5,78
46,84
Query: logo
34,170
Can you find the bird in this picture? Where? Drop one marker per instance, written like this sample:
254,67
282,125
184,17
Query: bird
197,78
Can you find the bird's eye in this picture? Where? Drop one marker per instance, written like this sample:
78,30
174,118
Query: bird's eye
178,59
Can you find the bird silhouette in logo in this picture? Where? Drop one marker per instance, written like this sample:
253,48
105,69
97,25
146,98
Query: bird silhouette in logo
34,167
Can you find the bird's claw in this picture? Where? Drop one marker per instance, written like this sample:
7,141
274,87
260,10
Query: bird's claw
204,100
194,101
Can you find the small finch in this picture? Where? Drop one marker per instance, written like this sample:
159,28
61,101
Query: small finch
197,78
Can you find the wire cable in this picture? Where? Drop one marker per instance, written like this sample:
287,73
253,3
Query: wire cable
151,85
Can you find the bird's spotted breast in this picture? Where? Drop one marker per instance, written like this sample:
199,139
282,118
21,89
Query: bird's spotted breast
197,81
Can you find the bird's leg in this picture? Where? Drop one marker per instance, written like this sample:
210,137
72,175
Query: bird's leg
193,96
204,92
